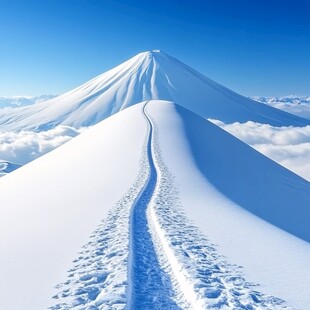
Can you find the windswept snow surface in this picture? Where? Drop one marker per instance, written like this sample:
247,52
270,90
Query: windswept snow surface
148,75
129,211
170,264
269,256
51,206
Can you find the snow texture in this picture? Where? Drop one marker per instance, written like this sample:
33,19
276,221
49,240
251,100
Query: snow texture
270,256
171,265
51,206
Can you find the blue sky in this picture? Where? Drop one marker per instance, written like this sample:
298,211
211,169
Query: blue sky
255,47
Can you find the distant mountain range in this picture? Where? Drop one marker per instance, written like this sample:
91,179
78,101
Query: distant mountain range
22,101
296,105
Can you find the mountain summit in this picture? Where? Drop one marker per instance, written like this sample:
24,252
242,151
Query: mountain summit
148,75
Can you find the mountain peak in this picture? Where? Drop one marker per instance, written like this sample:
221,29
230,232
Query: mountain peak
151,53
149,75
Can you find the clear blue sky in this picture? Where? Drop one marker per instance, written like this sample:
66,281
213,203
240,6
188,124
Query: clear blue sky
255,47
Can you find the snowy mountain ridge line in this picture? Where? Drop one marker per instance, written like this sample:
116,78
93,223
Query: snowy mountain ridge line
61,221
190,258
288,146
147,76
228,226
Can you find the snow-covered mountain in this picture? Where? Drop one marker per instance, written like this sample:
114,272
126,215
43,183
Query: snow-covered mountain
133,208
21,101
296,105
154,207
284,99
149,75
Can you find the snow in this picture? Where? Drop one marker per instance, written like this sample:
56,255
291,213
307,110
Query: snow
270,256
145,208
148,75
51,206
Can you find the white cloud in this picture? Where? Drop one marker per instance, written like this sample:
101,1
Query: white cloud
25,146
289,146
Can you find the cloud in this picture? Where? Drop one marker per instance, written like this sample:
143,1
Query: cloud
25,146
302,110
289,146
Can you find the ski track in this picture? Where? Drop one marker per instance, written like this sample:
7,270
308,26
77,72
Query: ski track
149,286
170,264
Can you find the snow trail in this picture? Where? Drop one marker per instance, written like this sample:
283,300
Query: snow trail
98,278
201,277
149,287
147,254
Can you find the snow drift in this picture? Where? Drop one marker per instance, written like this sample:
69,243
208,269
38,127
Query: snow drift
235,196
149,75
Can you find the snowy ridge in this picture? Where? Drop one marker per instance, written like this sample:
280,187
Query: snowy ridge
202,278
149,285
155,248
170,264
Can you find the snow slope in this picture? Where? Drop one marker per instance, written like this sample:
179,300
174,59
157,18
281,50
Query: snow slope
62,197
148,75
143,172
210,168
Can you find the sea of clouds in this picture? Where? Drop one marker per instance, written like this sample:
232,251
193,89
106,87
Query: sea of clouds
289,146
25,146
